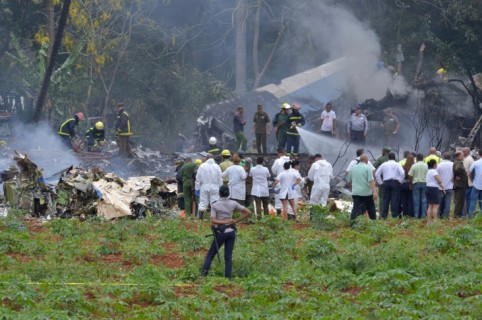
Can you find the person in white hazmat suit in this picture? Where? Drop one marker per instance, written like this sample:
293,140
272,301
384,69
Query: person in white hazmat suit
320,173
208,180
276,169
237,180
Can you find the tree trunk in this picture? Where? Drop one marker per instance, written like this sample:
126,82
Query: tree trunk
50,13
50,68
240,17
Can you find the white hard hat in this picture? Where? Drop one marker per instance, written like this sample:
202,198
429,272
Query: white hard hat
213,140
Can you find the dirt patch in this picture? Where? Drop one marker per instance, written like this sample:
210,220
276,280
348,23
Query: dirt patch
192,226
354,291
300,226
116,258
168,260
408,233
35,228
150,237
195,253
20,257
463,295
229,290
185,291
169,246
54,238
89,295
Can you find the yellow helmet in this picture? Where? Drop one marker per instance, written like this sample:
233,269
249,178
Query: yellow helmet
441,71
99,125
198,162
226,153
285,106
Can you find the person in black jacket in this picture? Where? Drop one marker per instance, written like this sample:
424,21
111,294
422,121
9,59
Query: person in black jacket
95,137
67,128
294,121
123,131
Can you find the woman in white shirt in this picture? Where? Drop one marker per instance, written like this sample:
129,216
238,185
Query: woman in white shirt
434,188
287,181
260,191
237,180
295,167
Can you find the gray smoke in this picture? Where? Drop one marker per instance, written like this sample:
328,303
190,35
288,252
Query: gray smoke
42,145
343,35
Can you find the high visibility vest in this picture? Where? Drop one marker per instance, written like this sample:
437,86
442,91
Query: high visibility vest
61,129
129,132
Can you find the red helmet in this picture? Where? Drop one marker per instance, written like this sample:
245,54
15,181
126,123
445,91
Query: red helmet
80,115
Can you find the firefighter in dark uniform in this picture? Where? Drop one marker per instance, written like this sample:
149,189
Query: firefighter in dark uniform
67,128
294,121
213,147
224,230
95,137
123,131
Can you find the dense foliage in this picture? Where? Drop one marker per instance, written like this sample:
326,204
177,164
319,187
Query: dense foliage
149,269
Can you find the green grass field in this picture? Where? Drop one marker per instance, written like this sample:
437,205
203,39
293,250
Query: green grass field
149,269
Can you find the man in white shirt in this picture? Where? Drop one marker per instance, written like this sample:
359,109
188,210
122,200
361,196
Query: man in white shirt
390,174
468,160
276,169
354,162
328,121
446,173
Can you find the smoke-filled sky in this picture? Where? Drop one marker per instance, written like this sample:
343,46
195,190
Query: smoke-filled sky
341,34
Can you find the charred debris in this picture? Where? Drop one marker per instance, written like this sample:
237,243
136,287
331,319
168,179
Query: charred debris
81,192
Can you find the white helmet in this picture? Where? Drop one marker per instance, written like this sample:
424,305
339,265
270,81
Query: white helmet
213,140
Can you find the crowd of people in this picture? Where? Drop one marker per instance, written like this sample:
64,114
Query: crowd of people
417,186
251,184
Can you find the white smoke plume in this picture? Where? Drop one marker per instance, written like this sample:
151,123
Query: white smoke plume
341,34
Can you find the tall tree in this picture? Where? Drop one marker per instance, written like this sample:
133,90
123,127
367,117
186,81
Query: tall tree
240,16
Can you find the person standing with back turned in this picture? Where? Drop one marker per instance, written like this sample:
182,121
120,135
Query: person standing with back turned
224,227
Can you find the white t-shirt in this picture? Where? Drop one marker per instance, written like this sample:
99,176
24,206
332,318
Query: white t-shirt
327,118
260,176
431,182
355,162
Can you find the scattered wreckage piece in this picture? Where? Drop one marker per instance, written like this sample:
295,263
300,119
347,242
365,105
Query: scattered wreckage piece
81,192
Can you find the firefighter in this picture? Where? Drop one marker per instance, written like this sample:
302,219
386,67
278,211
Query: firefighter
123,131
213,148
294,121
67,128
95,137
279,126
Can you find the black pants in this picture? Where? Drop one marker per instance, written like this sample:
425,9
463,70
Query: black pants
261,143
459,201
357,137
265,202
406,200
391,197
362,203
228,240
